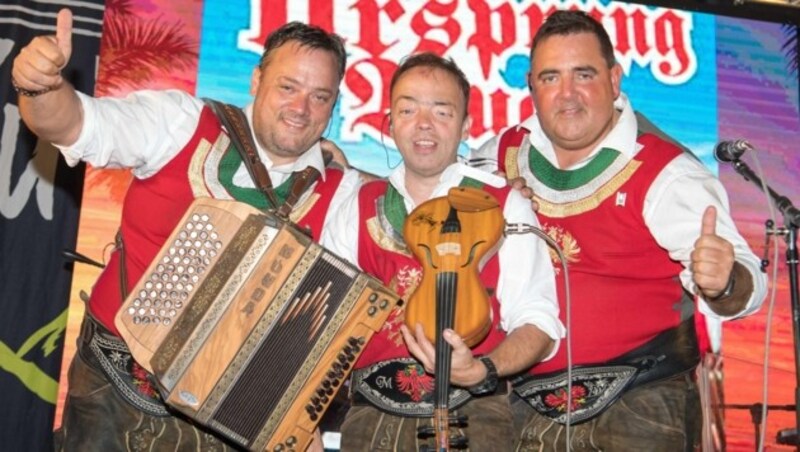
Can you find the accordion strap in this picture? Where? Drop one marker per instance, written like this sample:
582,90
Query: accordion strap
123,272
235,122
301,181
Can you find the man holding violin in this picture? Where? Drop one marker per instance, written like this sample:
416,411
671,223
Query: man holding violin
392,382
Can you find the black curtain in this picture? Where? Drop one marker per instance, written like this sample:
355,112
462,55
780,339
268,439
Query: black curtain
39,208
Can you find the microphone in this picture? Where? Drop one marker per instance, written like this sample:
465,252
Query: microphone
729,151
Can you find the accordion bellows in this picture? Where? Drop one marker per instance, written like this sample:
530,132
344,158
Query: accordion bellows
248,326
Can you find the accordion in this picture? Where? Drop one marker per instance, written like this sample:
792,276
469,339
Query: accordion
249,327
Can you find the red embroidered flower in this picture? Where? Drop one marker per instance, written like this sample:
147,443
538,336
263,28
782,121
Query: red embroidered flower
141,381
558,399
414,381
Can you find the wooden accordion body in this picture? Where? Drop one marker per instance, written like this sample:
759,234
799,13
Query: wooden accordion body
248,326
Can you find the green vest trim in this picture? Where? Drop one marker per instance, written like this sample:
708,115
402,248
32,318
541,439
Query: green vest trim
230,162
562,180
394,208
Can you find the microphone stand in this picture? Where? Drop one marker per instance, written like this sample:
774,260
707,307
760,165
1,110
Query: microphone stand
791,219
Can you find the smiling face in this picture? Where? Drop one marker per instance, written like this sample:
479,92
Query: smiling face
428,120
574,91
295,90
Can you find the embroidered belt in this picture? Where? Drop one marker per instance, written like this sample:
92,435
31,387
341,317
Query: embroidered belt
402,388
596,387
109,354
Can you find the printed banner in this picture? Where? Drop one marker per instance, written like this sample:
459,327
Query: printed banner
667,56
39,206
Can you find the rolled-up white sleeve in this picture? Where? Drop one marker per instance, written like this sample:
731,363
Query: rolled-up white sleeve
526,285
673,211
142,131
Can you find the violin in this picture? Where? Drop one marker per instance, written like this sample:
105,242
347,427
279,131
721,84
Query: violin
449,236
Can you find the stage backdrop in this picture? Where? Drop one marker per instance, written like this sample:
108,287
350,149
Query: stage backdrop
700,78
39,206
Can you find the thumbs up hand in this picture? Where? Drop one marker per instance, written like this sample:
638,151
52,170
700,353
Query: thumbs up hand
38,66
712,258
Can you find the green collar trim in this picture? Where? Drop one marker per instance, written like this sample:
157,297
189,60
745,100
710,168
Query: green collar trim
562,180
229,164
394,207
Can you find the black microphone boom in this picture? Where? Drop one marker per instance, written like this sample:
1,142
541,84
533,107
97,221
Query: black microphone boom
730,151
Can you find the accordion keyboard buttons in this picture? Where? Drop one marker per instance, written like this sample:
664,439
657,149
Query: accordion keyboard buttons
176,275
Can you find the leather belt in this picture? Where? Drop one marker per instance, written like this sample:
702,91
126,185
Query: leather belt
402,388
596,387
109,354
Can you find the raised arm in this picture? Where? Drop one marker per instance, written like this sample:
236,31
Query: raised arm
48,103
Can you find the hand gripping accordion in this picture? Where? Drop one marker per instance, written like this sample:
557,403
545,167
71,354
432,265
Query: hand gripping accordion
248,326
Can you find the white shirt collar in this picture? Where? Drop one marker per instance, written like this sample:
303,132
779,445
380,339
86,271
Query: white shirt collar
450,177
621,138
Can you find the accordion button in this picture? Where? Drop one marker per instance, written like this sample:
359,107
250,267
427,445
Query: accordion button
384,303
278,448
291,441
373,298
372,311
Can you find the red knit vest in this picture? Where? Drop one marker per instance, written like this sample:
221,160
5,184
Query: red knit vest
153,207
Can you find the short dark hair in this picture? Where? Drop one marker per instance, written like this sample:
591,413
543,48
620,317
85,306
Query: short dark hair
309,36
433,61
564,23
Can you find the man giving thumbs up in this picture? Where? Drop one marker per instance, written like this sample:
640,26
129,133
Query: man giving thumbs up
173,143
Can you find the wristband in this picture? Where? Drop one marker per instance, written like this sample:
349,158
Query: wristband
26,92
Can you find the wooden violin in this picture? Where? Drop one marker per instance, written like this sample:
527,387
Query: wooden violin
449,236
